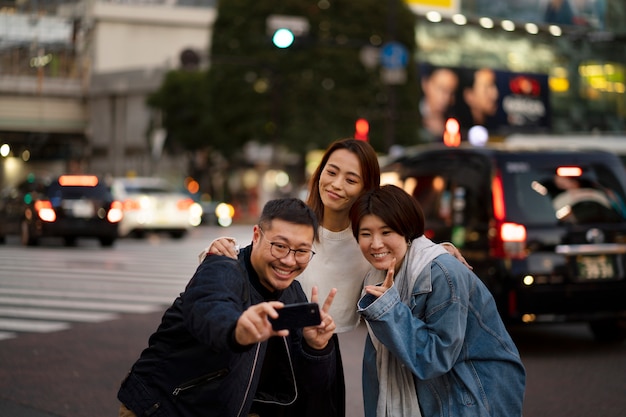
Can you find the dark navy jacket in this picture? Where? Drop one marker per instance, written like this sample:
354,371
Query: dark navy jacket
194,367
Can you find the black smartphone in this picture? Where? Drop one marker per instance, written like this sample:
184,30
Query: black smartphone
295,316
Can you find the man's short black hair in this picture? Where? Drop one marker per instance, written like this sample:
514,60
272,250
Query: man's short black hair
292,210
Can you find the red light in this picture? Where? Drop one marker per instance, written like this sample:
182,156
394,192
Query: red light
42,204
508,240
513,240
184,204
115,213
452,133
525,85
499,210
569,171
513,232
192,185
45,211
78,180
362,129
129,205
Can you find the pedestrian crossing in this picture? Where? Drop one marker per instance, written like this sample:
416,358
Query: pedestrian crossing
48,289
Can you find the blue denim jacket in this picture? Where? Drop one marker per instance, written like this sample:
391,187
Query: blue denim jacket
452,338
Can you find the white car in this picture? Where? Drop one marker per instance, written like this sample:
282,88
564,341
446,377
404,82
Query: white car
152,205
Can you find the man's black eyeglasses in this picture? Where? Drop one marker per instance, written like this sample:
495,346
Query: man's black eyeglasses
280,250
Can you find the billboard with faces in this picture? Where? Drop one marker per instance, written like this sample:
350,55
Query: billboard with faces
501,101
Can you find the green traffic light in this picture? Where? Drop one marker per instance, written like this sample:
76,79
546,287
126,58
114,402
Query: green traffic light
283,38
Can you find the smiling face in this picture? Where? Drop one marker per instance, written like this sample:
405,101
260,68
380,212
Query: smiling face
340,182
380,244
278,274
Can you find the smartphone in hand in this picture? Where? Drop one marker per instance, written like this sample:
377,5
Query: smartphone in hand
295,316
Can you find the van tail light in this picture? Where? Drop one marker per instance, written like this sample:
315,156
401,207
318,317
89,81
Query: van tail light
116,212
184,204
509,239
45,211
499,210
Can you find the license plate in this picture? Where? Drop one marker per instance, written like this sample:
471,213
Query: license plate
591,268
79,208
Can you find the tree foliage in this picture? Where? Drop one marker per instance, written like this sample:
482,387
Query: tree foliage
302,97
183,102
311,93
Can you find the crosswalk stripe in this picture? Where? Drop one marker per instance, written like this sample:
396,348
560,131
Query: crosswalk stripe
7,335
52,314
60,294
77,304
35,326
47,288
159,279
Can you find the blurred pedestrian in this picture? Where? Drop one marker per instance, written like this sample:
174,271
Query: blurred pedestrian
436,344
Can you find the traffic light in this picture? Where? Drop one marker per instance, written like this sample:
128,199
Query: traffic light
361,129
452,133
283,38
286,30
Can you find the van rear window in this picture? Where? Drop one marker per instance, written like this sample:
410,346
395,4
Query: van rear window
542,196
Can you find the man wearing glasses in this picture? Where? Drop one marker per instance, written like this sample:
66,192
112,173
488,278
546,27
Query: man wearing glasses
215,352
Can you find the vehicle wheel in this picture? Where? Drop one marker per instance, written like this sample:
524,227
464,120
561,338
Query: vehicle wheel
610,330
69,241
26,237
177,234
107,242
3,239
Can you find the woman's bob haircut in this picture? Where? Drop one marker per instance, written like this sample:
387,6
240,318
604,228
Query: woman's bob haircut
394,206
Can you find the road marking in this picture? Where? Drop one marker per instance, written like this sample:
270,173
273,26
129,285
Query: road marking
46,289
77,304
67,295
52,314
7,335
35,326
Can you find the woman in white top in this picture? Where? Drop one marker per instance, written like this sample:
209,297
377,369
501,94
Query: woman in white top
348,168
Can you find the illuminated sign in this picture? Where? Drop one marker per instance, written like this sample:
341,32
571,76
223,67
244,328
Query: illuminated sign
484,97
444,6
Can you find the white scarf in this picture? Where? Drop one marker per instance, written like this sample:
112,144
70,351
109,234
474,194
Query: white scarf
397,396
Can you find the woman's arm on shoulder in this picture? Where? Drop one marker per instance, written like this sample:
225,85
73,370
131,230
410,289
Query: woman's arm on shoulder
224,245
454,251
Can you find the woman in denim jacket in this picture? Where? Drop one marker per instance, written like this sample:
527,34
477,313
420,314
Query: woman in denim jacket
436,344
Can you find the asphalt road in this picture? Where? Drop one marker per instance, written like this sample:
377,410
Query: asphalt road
75,372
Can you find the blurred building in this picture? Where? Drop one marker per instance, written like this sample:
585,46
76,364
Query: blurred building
555,66
75,74
74,77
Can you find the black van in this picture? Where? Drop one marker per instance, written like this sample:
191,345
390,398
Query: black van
545,230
